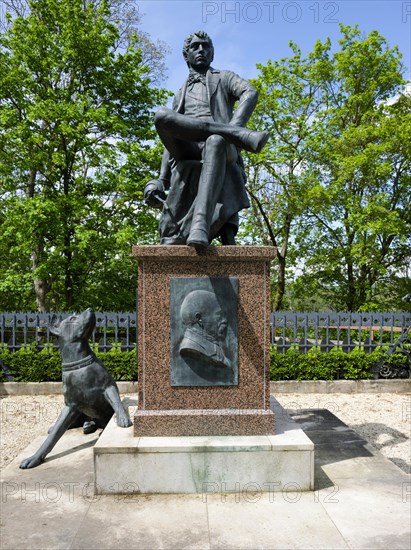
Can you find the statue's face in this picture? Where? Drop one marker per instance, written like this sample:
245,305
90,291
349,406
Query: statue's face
199,54
214,322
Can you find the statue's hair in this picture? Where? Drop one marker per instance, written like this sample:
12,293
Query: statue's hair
199,34
195,303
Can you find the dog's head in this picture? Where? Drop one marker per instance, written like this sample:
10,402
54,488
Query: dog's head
75,327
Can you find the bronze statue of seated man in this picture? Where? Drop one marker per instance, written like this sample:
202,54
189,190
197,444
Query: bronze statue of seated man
202,168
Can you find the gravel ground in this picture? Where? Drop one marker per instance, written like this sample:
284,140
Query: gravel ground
384,420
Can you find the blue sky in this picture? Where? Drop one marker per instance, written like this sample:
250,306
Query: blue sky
245,32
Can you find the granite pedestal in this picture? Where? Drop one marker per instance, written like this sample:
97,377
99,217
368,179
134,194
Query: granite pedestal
215,425
239,406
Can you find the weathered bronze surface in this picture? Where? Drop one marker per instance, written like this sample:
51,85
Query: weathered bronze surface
204,332
90,393
202,168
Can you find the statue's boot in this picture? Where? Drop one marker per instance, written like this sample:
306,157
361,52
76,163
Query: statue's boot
209,188
246,139
255,141
198,237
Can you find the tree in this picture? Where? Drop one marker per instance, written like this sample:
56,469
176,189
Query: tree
357,234
126,17
346,209
75,150
291,94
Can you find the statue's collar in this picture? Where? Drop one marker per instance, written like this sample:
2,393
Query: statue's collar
210,70
74,365
195,76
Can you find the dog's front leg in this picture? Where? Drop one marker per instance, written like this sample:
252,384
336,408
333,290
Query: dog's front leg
67,416
113,397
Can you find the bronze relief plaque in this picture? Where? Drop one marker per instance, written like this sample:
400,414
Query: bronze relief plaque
204,331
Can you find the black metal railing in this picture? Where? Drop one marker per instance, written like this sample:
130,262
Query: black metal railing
301,331
23,330
345,331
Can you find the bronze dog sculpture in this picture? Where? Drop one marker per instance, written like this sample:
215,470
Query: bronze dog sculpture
89,390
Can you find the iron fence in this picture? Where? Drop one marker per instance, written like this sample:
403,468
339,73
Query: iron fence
344,331
24,330
301,331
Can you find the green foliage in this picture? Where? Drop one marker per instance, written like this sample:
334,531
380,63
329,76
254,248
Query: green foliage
32,365
122,365
398,359
316,365
289,95
332,188
76,147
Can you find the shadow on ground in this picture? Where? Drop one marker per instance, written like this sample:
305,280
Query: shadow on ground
389,438
334,441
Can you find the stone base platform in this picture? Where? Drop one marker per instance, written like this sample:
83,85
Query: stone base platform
284,461
194,422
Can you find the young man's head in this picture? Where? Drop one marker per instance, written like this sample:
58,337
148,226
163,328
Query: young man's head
198,51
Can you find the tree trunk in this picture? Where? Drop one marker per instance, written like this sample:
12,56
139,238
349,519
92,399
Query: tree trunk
351,297
282,260
68,275
279,295
40,286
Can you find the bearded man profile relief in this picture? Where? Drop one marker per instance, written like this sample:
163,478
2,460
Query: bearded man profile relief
205,329
202,168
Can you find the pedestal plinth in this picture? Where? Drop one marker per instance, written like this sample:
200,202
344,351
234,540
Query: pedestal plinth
205,464
187,387
204,421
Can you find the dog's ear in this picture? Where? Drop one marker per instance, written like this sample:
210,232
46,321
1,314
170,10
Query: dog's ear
54,325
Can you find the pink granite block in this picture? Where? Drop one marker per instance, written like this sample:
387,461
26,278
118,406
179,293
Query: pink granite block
157,265
213,422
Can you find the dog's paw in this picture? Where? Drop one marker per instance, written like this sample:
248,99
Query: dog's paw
123,421
89,427
31,462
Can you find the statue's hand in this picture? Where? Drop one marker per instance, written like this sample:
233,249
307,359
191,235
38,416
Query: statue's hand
154,194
